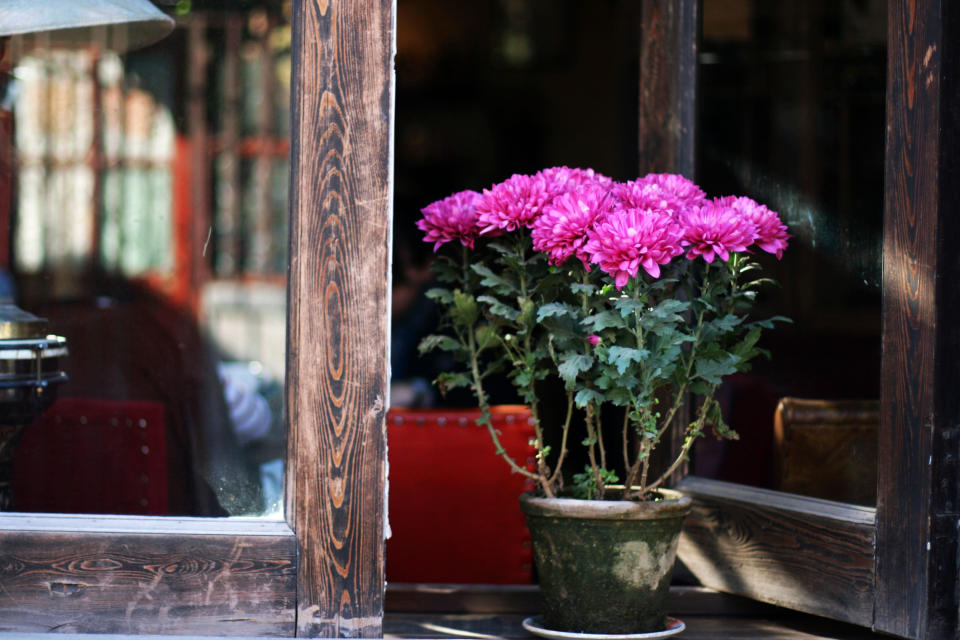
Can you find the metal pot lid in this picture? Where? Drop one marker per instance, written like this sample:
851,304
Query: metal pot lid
31,348
17,324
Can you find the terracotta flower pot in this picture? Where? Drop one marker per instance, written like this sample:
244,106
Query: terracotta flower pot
605,565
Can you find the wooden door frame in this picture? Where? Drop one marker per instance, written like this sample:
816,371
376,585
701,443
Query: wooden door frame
319,572
339,302
842,561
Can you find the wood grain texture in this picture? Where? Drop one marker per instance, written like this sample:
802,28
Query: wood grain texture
668,74
667,128
103,582
339,280
807,554
916,563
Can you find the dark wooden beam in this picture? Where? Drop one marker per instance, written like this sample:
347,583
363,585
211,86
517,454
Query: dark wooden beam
917,510
200,221
669,35
339,279
803,553
668,74
146,575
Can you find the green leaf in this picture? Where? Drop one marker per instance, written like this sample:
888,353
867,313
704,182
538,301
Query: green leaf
701,388
527,315
670,309
587,289
587,396
769,322
438,341
745,348
447,381
721,326
489,279
486,337
622,357
465,311
603,320
626,306
713,370
556,309
447,270
443,296
573,364
498,308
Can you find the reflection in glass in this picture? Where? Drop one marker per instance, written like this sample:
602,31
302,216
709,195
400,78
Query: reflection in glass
791,100
143,205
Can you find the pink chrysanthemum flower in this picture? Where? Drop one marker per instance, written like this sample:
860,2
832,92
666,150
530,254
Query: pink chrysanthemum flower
770,233
666,191
564,179
561,230
453,218
638,194
716,229
684,190
513,203
627,239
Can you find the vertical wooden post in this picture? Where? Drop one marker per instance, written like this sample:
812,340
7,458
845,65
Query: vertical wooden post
917,507
261,245
339,289
668,86
669,40
227,218
7,163
201,227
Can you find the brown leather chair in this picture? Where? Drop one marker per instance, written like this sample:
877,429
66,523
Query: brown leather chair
827,448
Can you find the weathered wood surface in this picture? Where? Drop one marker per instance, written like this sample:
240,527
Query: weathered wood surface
108,575
668,74
917,510
807,554
339,280
667,127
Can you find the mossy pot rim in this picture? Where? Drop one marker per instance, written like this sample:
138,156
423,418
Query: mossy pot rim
674,505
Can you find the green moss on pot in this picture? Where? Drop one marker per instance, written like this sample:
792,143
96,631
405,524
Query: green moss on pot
605,565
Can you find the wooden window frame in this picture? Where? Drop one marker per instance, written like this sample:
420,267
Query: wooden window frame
319,572
893,568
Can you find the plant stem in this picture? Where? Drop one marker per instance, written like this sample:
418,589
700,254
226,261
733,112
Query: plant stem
543,471
692,433
556,477
488,417
626,441
600,445
591,451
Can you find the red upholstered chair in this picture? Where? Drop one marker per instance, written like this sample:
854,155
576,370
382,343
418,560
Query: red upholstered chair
94,456
453,506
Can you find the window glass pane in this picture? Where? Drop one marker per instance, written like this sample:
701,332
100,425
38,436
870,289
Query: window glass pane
143,203
791,112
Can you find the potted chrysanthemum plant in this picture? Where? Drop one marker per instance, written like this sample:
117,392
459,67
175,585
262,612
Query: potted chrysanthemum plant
637,296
